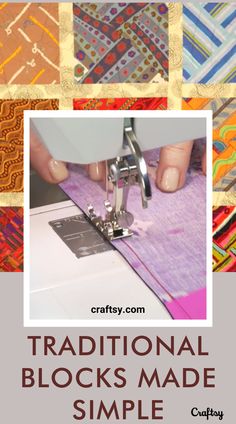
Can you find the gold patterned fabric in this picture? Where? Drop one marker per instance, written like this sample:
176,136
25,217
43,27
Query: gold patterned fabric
29,43
11,140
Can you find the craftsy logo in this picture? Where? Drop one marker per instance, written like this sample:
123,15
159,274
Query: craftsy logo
207,413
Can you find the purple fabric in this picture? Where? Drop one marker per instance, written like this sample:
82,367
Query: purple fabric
168,248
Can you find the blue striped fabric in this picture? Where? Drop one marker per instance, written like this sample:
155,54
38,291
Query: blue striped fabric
209,47
229,19
196,53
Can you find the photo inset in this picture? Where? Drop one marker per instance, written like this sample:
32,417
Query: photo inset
117,218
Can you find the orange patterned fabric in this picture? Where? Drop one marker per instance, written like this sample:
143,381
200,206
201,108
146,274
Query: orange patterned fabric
224,139
194,104
11,140
225,160
29,43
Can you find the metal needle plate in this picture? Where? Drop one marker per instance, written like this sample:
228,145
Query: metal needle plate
80,236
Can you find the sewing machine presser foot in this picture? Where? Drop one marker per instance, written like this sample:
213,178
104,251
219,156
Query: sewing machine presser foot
110,227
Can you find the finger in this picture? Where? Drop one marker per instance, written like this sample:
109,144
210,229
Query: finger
173,165
49,169
96,171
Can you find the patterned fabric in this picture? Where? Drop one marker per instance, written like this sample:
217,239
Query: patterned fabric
121,104
121,42
29,43
224,238
224,155
11,140
228,181
224,139
168,247
209,42
39,51
11,239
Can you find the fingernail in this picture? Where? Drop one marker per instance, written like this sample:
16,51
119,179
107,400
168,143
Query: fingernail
58,170
95,171
170,179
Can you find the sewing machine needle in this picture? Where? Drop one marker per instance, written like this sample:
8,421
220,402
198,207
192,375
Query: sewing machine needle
107,182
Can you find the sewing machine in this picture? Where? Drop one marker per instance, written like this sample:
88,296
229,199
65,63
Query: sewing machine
120,142
61,285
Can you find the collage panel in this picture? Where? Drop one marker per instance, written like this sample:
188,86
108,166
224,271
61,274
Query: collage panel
209,48
121,104
116,44
29,47
11,239
121,42
224,239
224,139
12,139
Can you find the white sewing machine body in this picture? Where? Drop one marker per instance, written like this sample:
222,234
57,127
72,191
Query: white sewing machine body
91,139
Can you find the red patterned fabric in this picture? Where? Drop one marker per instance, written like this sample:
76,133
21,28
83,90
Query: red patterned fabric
11,239
151,103
224,239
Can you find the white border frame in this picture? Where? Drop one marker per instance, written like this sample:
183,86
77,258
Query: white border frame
117,323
